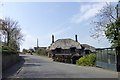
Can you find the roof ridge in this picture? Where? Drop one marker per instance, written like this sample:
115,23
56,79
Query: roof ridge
65,44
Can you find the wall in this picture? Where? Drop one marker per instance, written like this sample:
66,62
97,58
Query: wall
9,60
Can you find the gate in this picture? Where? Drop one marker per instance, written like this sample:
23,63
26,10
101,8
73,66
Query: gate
108,58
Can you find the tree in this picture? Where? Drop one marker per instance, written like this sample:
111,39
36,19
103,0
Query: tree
107,23
25,51
112,33
12,32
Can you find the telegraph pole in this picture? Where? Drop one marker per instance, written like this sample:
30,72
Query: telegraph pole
117,22
117,35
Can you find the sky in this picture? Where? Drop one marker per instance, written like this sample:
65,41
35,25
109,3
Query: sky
62,19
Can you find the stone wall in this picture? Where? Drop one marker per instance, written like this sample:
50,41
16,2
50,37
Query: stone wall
9,60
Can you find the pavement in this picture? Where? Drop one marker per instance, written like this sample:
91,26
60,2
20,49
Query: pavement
42,67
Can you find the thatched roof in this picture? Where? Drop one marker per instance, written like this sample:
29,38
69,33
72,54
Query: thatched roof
65,44
88,47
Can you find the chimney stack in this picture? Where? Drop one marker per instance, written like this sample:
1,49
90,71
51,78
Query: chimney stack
37,43
76,38
52,38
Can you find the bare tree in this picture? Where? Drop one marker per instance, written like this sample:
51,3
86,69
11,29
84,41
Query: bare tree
106,19
12,31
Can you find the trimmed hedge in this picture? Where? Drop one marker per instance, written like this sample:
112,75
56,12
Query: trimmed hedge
7,50
88,60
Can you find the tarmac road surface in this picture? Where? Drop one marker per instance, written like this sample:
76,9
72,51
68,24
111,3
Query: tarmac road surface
43,67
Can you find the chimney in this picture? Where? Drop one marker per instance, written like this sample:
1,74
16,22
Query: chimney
52,38
76,38
37,43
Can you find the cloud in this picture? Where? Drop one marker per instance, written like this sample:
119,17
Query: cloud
87,11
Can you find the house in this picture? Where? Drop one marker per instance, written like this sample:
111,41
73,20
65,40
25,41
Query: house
65,50
87,49
36,48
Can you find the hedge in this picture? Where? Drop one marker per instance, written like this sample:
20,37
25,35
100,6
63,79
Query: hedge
88,60
7,50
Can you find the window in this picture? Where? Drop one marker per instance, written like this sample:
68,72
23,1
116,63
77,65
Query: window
72,49
58,50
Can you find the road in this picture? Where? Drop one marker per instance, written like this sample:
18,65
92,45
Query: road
43,67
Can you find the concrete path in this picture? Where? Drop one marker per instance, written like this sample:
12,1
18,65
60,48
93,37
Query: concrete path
43,67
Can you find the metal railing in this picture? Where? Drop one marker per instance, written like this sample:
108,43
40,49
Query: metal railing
108,58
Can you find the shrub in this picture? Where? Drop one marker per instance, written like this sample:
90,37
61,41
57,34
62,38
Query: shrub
8,50
88,60
42,52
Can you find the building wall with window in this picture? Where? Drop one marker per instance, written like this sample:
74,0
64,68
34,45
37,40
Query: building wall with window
65,49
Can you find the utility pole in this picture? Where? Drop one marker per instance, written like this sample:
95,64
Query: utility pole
117,28
0,33
118,35
117,13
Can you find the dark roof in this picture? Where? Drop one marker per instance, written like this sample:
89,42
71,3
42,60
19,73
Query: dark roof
65,44
42,47
88,47
35,48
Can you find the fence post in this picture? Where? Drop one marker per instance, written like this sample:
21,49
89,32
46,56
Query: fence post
118,58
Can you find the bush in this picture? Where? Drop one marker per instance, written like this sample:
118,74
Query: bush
42,52
88,60
8,50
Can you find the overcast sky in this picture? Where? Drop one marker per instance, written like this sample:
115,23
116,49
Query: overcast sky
62,19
